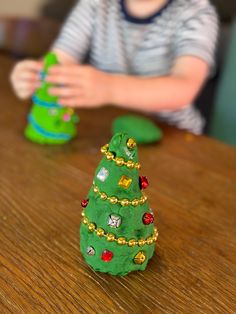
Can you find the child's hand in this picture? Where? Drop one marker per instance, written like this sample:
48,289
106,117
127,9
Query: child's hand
25,78
80,85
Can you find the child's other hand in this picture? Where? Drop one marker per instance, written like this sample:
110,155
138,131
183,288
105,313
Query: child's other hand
79,85
25,78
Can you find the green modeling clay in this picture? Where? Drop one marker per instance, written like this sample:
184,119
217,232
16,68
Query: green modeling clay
143,130
117,233
48,122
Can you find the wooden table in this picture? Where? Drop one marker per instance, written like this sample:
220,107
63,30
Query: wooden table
193,192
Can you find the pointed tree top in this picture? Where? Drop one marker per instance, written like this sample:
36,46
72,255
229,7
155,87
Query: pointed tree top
123,146
49,60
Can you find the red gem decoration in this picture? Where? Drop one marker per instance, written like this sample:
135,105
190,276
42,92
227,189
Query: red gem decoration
143,182
84,203
148,218
107,256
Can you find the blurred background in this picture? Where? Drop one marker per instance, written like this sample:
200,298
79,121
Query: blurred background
28,27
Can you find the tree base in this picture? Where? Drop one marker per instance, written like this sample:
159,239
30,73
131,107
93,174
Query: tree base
32,135
122,262
120,273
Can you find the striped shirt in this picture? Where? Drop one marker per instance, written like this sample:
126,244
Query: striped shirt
118,42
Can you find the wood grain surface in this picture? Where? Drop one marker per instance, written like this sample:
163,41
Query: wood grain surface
192,192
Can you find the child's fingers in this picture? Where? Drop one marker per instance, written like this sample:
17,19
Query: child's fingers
29,76
24,93
64,91
25,78
27,85
78,101
24,74
25,89
72,102
65,69
62,79
29,65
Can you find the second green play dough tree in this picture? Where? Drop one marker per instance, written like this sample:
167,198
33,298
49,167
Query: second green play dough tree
48,122
117,233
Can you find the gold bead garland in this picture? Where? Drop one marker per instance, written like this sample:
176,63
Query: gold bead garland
100,232
121,240
85,220
91,227
119,160
110,237
114,200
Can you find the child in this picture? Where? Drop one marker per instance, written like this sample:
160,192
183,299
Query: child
149,55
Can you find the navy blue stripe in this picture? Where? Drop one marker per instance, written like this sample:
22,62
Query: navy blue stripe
44,103
139,20
50,135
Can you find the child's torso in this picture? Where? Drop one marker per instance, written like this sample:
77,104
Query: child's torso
124,46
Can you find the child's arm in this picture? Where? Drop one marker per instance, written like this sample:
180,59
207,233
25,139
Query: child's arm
172,92
87,87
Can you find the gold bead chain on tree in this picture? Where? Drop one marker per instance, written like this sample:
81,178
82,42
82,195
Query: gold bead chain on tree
121,240
119,160
114,200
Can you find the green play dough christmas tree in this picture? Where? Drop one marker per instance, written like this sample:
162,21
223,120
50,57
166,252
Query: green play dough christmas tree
48,122
117,233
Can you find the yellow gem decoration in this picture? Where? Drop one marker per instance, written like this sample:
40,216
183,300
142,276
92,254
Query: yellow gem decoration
70,111
140,258
131,143
125,182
